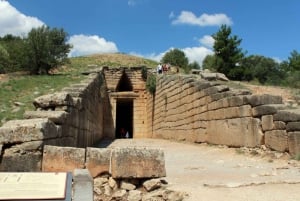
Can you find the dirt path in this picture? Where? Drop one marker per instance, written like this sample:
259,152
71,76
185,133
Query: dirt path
213,173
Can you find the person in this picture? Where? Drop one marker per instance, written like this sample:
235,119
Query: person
122,133
159,68
127,135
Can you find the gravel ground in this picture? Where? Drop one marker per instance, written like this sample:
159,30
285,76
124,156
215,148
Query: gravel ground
215,173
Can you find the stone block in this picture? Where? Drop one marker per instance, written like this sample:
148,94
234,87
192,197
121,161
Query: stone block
293,126
277,140
287,115
294,142
256,100
235,132
267,122
50,101
20,161
267,109
58,117
98,160
137,163
279,125
17,131
65,159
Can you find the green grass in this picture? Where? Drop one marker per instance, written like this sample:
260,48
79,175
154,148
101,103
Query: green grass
18,93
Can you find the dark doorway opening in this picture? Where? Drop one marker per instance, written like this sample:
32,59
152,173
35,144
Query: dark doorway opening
124,117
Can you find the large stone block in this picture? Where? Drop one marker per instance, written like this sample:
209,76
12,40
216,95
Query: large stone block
255,100
57,159
17,131
50,101
137,163
58,117
277,140
98,160
235,132
267,109
293,126
25,157
267,122
287,115
294,143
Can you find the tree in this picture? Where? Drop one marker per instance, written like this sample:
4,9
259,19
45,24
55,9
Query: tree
194,65
176,57
265,70
227,52
4,58
47,48
15,47
210,62
294,61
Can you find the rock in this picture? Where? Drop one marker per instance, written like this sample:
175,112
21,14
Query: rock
127,186
97,160
108,190
50,101
119,194
100,181
57,117
134,195
152,184
112,183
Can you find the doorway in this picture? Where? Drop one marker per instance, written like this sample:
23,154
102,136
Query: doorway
124,117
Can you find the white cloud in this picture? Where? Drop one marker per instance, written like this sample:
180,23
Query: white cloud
86,45
207,41
197,54
187,17
14,22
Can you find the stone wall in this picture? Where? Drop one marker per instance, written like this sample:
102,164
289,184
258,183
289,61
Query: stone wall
71,117
189,108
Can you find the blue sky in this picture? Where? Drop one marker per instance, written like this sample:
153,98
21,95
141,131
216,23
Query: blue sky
149,28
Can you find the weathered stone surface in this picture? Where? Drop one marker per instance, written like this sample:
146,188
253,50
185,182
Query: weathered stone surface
120,194
235,132
279,125
287,115
29,161
294,143
277,140
267,109
62,158
143,163
135,195
256,100
267,122
17,131
58,117
293,126
50,101
152,184
98,160
127,185
213,76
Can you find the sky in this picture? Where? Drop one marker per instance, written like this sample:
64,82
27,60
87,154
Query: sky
150,28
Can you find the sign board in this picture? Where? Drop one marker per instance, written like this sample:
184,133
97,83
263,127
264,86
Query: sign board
33,186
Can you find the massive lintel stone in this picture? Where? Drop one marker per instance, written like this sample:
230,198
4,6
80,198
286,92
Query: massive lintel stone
17,131
62,158
267,109
277,140
137,163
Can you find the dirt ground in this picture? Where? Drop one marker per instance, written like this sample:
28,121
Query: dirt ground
215,173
